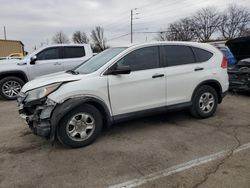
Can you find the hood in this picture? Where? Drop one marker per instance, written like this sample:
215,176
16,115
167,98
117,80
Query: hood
240,47
50,79
8,61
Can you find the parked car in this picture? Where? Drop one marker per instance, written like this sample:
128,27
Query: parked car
122,83
228,54
50,59
13,56
239,75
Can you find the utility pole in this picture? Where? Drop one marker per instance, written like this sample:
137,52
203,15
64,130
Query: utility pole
131,26
132,18
4,30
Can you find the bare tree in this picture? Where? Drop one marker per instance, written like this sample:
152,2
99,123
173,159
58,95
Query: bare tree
205,23
235,22
181,31
80,37
60,38
162,36
99,41
246,33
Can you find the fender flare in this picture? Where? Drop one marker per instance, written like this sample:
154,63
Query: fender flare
210,82
62,109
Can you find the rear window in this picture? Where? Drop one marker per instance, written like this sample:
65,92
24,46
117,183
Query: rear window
73,52
178,55
202,55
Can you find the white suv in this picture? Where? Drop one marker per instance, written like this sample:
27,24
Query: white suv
122,83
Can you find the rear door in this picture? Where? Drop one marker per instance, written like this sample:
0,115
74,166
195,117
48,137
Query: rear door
73,56
48,61
184,71
142,89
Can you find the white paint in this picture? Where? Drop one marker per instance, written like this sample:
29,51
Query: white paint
178,168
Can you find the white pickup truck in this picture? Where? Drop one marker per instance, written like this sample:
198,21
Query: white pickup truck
50,59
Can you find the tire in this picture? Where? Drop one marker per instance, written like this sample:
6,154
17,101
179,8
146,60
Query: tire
204,97
10,86
71,128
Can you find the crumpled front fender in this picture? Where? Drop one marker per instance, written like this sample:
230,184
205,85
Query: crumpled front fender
62,109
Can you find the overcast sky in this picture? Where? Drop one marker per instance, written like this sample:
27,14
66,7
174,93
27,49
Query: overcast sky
36,21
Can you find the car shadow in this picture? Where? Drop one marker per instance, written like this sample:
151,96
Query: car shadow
243,93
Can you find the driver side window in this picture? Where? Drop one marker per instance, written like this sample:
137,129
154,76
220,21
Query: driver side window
141,59
48,54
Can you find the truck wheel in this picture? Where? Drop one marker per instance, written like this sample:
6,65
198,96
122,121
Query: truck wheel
205,102
80,127
10,87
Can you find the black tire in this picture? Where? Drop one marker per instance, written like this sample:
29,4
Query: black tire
196,110
6,80
64,137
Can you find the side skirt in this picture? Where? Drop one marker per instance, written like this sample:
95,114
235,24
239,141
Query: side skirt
149,112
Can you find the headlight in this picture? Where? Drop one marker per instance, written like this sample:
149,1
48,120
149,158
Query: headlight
41,92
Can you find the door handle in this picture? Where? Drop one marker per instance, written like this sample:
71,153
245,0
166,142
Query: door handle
57,63
157,75
198,69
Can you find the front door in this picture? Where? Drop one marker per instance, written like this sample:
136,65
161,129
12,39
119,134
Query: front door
48,61
144,88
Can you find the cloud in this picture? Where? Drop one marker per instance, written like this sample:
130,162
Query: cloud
34,22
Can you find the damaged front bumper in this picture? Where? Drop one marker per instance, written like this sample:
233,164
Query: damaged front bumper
37,114
239,79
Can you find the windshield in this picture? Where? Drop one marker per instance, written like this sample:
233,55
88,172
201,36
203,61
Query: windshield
98,61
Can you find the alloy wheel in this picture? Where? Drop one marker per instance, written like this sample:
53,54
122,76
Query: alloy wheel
11,88
206,102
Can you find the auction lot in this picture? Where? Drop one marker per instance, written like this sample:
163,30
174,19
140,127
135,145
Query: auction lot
169,150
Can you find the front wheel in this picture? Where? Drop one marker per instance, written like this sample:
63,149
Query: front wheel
80,127
205,102
10,87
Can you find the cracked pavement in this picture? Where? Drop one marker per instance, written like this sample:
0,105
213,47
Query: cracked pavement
132,150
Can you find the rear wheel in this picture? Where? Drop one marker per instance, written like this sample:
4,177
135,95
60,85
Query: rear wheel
205,102
80,127
10,87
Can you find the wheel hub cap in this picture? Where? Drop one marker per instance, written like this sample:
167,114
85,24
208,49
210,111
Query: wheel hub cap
80,127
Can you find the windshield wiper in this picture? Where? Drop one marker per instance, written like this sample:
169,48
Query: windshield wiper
72,72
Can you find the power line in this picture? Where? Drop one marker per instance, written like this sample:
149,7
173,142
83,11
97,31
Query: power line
118,37
166,11
149,4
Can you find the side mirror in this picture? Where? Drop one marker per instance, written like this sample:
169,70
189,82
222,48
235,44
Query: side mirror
33,60
120,70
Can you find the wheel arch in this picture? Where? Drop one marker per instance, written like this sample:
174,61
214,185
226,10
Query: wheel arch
19,74
212,83
61,109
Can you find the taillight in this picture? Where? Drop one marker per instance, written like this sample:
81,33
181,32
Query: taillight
224,63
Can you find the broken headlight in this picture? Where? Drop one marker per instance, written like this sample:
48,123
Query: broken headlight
41,92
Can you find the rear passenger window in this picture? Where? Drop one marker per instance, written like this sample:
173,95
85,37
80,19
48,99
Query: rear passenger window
178,55
73,52
202,55
142,59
